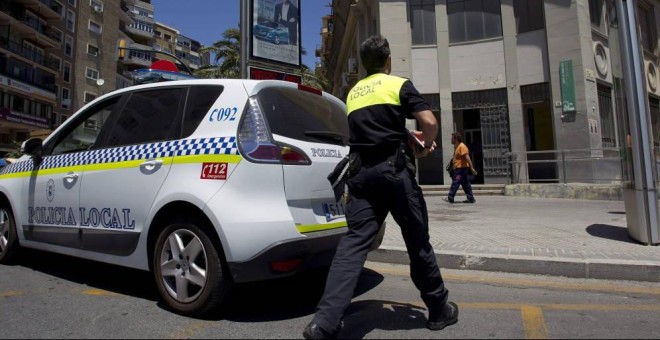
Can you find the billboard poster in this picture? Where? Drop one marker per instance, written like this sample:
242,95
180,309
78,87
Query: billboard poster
276,31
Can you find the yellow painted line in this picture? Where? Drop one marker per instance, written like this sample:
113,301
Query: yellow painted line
533,322
557,307
99,292
318,227
534,283
10,293
190,331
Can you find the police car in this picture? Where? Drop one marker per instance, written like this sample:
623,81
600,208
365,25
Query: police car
205,183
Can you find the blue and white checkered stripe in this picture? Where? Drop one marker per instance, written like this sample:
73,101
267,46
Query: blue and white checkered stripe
187,147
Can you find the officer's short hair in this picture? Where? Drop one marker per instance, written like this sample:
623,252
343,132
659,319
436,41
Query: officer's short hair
457,136
374,52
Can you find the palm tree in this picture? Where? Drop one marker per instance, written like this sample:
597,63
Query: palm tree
227,57
227,62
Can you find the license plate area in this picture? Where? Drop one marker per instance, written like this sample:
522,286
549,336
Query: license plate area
334,211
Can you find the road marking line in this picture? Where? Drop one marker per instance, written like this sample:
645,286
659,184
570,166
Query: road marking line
531,283
560,307
98,292
533,322
190,331
10,293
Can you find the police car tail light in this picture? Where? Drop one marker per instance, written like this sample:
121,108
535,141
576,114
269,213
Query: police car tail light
254,138
293,156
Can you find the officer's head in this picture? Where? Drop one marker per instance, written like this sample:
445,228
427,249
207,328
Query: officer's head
375,55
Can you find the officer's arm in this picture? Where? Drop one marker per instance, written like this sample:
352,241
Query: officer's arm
429,126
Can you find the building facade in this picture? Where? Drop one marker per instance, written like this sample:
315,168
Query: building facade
527,82
36,58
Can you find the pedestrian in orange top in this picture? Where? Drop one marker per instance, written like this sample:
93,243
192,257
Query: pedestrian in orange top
462,164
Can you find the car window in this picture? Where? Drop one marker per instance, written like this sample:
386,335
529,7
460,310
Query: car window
200,100
148,116
304,116
82,134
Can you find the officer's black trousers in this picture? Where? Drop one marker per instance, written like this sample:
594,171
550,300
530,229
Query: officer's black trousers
374,192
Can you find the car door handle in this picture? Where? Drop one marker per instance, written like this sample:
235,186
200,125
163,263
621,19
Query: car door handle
152,165
71,176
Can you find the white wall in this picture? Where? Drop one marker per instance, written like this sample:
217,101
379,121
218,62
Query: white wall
425,69
477,66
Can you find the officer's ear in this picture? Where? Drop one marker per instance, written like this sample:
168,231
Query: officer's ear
388,65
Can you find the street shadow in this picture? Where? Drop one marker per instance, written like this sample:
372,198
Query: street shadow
112,278
286,298
269,300
363,317
610,232
617,212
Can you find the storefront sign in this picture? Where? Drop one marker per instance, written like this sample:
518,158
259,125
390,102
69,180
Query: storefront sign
25,88
22,118
567,85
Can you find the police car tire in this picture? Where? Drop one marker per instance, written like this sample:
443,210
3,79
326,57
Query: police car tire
218,280
8,253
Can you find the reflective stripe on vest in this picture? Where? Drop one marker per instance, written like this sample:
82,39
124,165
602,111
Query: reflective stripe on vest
376,89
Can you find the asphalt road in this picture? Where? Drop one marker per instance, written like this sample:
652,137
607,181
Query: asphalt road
53,296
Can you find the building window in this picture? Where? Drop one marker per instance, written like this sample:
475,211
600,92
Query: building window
94,27
89,97
91,73
93,50
607,127
66,98
71,20
471,20
66,74
57,7
96,5
598,15
57,62
422,22
646,26
529,15
72,3
68,46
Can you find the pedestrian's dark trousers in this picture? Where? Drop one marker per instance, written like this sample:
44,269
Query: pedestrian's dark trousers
374,192
461,179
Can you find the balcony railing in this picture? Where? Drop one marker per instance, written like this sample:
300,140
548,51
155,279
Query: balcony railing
47,87
37,57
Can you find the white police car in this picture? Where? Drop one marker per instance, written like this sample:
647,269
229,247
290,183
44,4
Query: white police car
203,182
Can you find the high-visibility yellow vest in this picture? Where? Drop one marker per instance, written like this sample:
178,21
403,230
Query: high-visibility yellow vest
376,89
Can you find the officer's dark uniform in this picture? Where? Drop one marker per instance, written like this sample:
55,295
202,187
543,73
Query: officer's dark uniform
383,183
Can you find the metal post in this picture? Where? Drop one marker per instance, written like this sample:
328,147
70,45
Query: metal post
245,31
563,165
642,204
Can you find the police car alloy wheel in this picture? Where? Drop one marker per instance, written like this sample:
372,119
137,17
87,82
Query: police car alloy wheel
8,238
190,275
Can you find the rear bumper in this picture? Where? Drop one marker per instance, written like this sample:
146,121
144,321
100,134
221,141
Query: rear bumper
315,250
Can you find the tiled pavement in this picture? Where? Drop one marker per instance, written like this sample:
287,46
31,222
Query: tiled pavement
565,237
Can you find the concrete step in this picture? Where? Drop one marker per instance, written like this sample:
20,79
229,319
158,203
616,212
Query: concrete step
477,190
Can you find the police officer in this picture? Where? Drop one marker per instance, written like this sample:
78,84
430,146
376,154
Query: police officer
383,182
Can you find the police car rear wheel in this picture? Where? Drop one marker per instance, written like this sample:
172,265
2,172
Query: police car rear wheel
8,237
191,276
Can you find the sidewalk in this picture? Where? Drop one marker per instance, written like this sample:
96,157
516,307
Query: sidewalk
562,237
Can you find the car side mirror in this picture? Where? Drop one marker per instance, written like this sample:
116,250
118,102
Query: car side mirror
33,147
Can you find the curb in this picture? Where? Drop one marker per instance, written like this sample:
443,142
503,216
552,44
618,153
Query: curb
586,269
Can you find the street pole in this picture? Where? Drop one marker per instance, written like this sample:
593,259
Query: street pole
245,31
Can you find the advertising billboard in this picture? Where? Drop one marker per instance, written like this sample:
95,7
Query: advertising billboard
276,31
